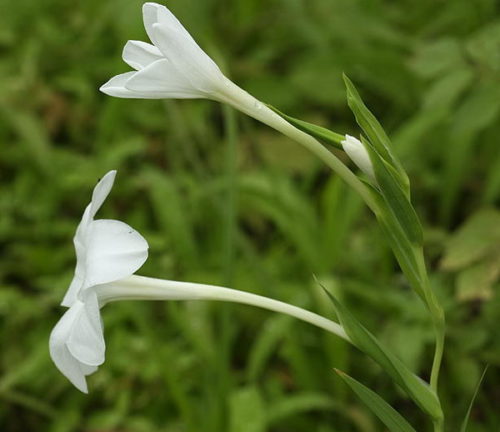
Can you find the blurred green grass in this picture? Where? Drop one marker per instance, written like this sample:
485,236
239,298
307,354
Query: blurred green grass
222,199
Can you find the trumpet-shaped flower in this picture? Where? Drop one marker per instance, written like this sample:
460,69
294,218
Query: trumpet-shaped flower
107,251
173,67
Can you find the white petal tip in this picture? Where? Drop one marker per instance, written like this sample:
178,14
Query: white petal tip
138,54
101,191
104,185
109,177
104,89
116,86
107,88
150,5
357,152
82,387
110,90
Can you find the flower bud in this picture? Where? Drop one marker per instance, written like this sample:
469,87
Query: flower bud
359,155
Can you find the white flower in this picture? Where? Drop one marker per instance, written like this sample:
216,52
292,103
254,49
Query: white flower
107,251
174,67
359,155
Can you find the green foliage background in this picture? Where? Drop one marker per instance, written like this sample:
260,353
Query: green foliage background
224,200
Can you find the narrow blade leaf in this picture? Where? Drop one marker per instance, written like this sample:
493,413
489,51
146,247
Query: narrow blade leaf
404,252
416,388
395,197
463,428
386,413
374,131
316,131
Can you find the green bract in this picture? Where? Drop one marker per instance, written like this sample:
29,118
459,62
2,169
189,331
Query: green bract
375,133
395,197
316,131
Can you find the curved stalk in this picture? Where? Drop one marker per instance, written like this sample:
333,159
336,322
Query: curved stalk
146,288
246,103
241,100
438,320
438,355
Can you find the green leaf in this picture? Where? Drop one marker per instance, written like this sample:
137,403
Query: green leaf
478,111
444,92
247,411
416,388
483,46
375,133
267,341
476,282
476,239
438,57
386,413
404,251
463,428
294,404
395,197
319,132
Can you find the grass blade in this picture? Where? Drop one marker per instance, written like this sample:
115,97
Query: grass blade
463,428
416,388
386,413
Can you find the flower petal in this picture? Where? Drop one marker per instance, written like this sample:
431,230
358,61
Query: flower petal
88,370
188,58
150,16
154,13
116,87
114,251
101,192
76,284
86,339
79,241
139,54
162,80
165,17
62,358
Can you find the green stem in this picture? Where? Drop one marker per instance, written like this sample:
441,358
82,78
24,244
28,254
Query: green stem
438,319
438,353
221,379
246,103
438,425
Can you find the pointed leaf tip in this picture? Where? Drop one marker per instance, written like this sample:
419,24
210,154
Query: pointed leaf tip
417,389
385,412
375,132
465,422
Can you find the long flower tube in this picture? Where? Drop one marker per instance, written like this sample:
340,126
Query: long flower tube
175,67
249,105
108,253
146,288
